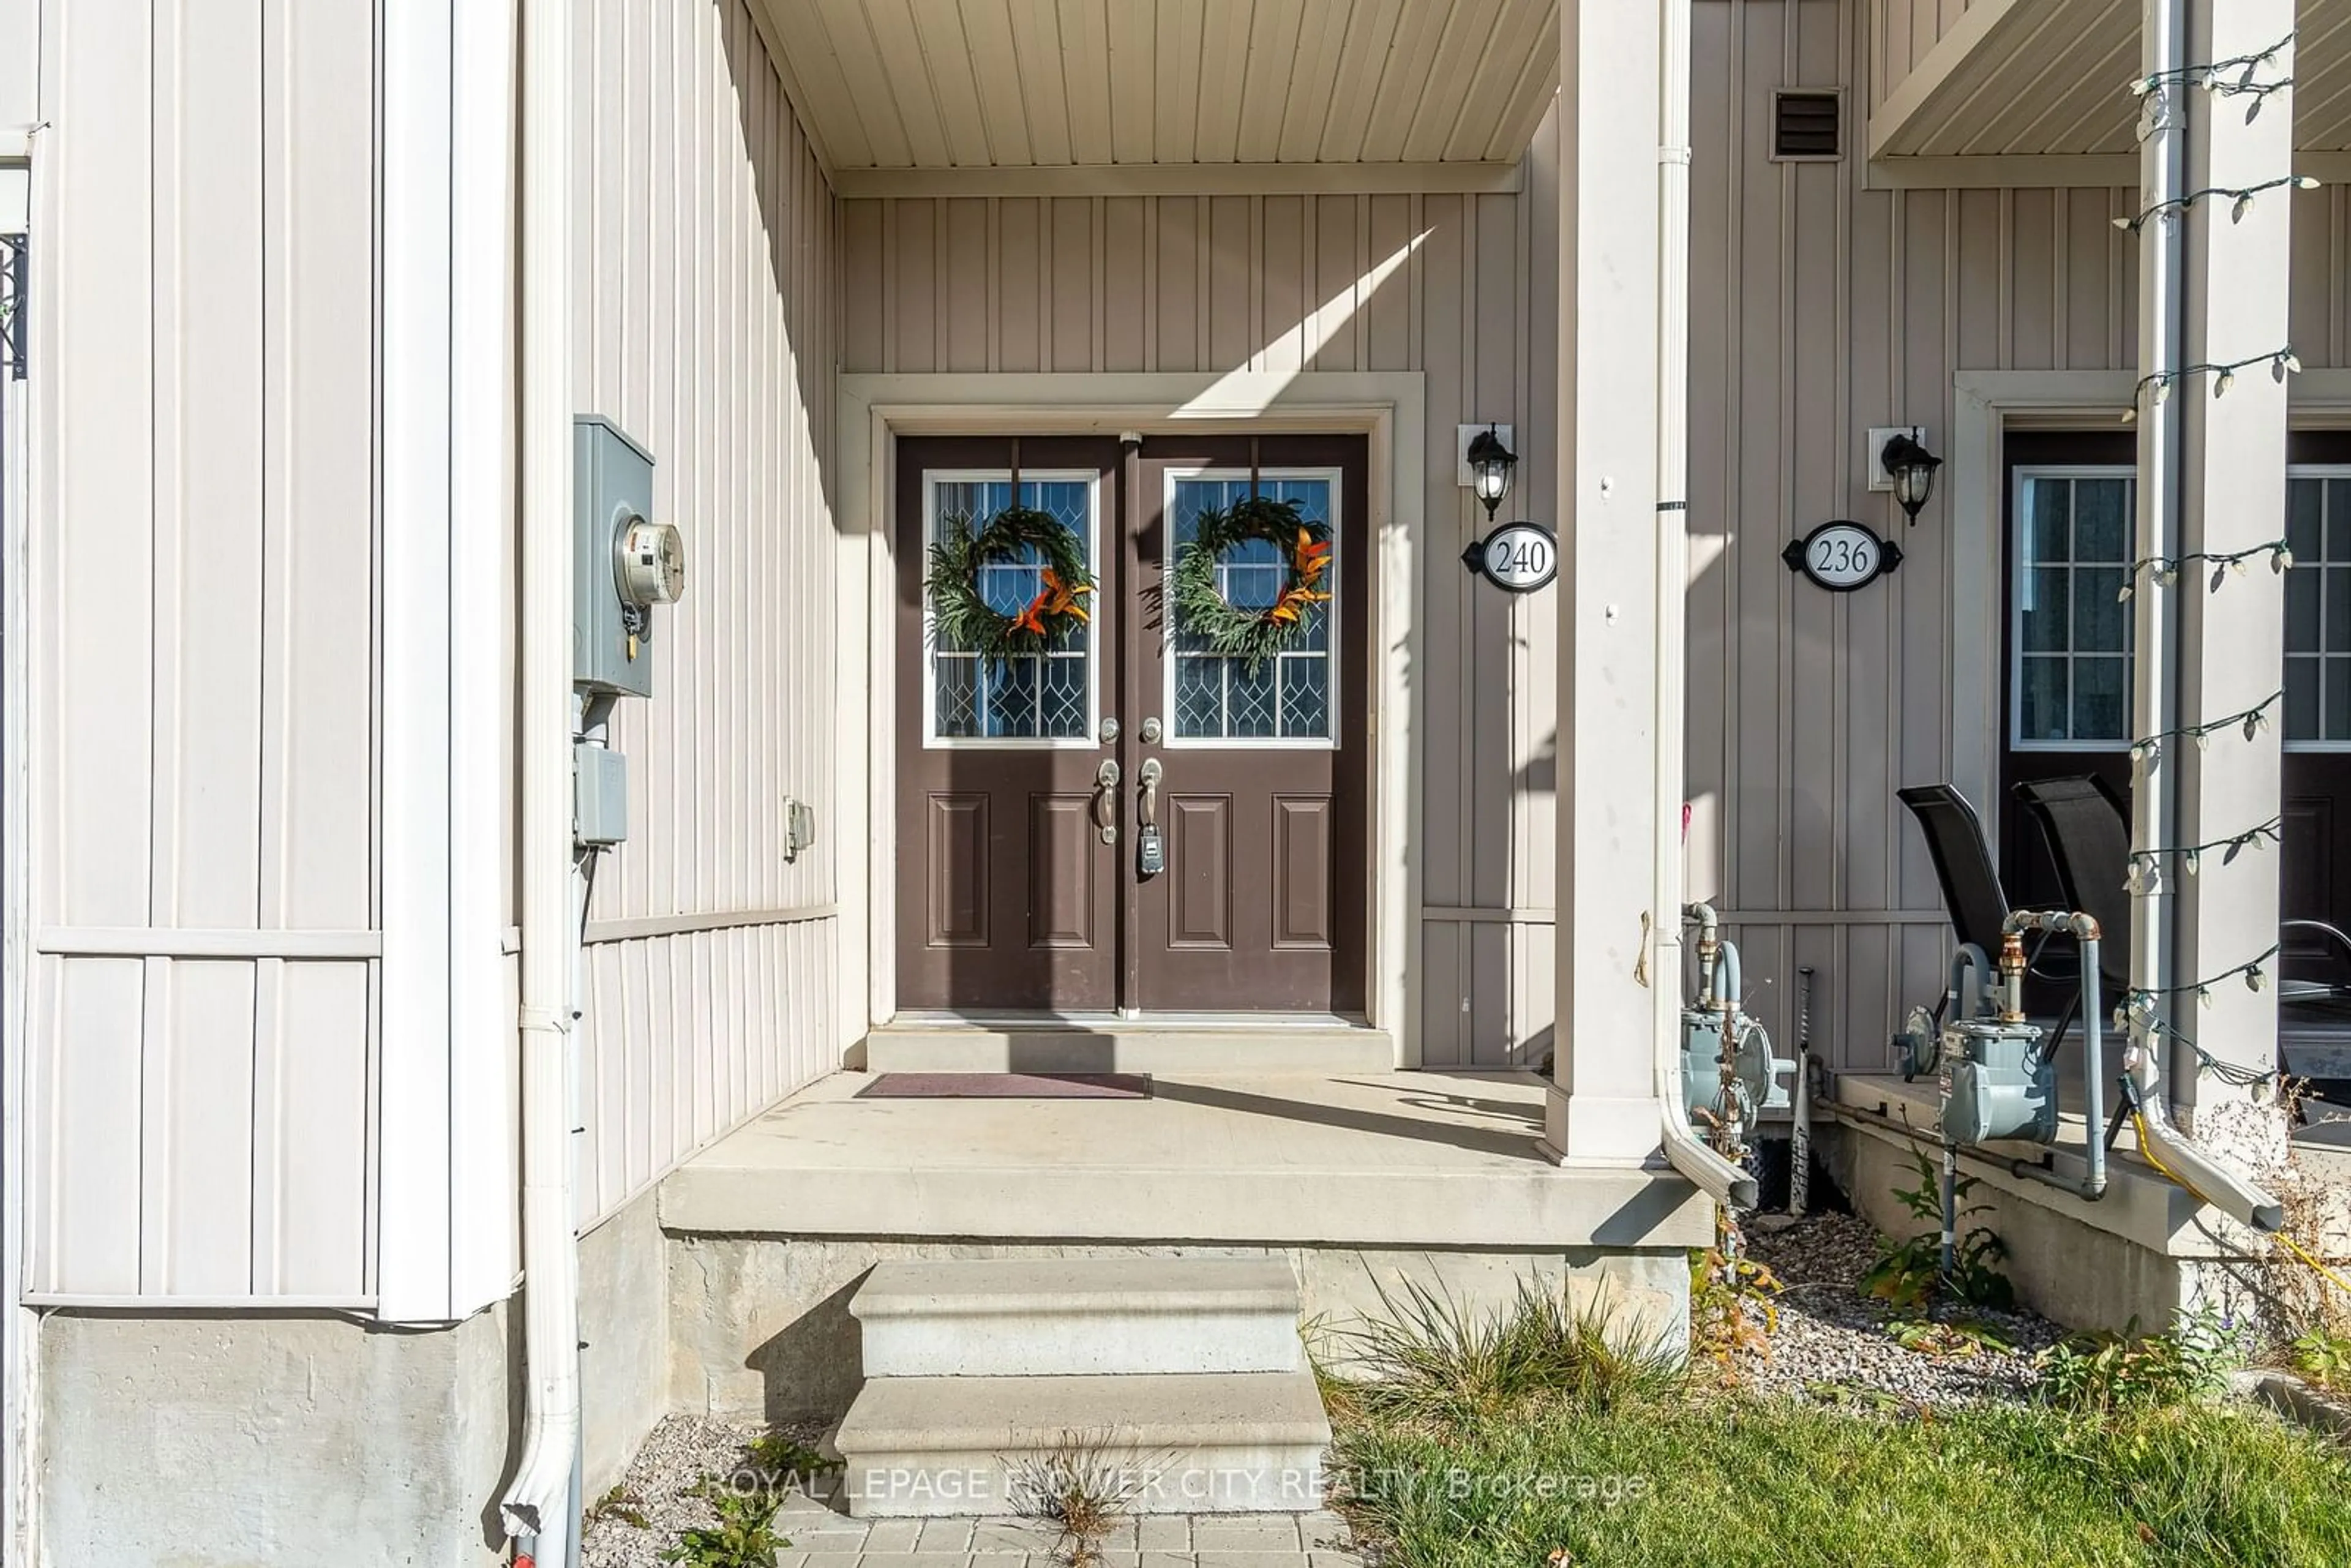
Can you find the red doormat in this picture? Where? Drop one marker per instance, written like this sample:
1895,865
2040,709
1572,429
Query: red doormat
1009,1086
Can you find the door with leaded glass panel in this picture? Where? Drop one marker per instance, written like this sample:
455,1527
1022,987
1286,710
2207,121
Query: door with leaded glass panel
1009,893
1255,766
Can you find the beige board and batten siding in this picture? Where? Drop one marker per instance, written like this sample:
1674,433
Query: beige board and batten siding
704,291
1280,283
1902,33
201,659
1819,309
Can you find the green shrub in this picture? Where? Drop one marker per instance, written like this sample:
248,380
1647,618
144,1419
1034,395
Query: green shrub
2323,1357
1431,1356
1906,1273
2104,1370
743,1537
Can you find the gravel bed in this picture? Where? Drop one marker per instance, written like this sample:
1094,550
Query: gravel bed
1833,1344
661,1485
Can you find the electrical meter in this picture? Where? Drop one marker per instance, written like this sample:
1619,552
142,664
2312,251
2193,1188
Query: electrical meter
649,562
624,566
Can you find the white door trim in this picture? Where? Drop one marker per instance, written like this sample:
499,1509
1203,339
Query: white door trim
1984,402
1389,407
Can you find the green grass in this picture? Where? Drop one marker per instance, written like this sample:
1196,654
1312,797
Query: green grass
1728,1481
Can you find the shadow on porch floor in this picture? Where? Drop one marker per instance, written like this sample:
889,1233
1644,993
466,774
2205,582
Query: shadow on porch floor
1386,1160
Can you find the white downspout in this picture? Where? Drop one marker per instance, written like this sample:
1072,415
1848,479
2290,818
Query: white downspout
1685,1151
2154,818
538,1507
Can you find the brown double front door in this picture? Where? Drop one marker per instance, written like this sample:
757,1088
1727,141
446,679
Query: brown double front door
1030,786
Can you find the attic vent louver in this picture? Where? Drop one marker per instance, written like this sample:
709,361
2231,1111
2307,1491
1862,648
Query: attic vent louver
1805,125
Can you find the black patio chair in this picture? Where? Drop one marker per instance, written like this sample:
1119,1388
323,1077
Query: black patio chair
2086,826
1973,895
2086,823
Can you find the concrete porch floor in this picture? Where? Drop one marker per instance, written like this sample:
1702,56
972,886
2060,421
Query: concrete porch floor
1372,1159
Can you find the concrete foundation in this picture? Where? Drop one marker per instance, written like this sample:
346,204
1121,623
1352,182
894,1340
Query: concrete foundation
625,1333
2065,1267
2145,1250
760,1327
221,1441
232,1442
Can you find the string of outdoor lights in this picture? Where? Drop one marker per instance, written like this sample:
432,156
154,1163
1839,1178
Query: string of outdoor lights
2148,748
2142,1007
2282,362
2167,567
2241,199
2138,1000
2147,865
2227,1071
2213,77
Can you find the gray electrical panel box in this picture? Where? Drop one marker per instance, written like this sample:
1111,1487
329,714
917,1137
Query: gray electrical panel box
599,796
613,490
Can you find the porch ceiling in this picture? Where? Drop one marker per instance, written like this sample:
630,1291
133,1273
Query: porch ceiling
1048,84
2022,76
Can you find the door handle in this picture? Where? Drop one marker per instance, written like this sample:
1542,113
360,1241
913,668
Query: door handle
1106,780
1149,806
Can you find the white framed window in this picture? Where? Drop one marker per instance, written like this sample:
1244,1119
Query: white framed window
2318,609
1292,699
2070,629
1049,700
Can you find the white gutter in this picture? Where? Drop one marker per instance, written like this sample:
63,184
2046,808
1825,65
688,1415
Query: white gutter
2155,799
1685,1151
538,1507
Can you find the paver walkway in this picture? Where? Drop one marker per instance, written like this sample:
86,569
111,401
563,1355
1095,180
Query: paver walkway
823,1538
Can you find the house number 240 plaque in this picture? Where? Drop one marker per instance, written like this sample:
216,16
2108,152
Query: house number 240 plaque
1517,558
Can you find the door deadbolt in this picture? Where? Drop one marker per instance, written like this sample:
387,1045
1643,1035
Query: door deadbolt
1108,732
1151,731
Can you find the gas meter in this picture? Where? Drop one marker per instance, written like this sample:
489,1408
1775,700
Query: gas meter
1730,1073
1997,1073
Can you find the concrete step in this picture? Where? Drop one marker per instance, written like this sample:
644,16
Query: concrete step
1175,1443
1120,1047
1011,1317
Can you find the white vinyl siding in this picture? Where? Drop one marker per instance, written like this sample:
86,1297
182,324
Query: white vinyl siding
704,289
203,661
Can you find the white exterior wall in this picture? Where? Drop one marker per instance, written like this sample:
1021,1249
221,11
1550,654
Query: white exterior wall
202,653
269,653
705,285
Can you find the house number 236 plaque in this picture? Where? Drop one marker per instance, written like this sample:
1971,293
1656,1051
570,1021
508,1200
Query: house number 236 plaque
1842,555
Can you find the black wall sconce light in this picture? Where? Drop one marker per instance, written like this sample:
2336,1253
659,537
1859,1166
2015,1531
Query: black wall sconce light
1491,463
1910,468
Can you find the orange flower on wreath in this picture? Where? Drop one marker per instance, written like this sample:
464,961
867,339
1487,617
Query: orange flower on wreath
1308,561
1055,597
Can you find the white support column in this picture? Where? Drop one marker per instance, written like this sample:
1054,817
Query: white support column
1603,1107
2231,497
